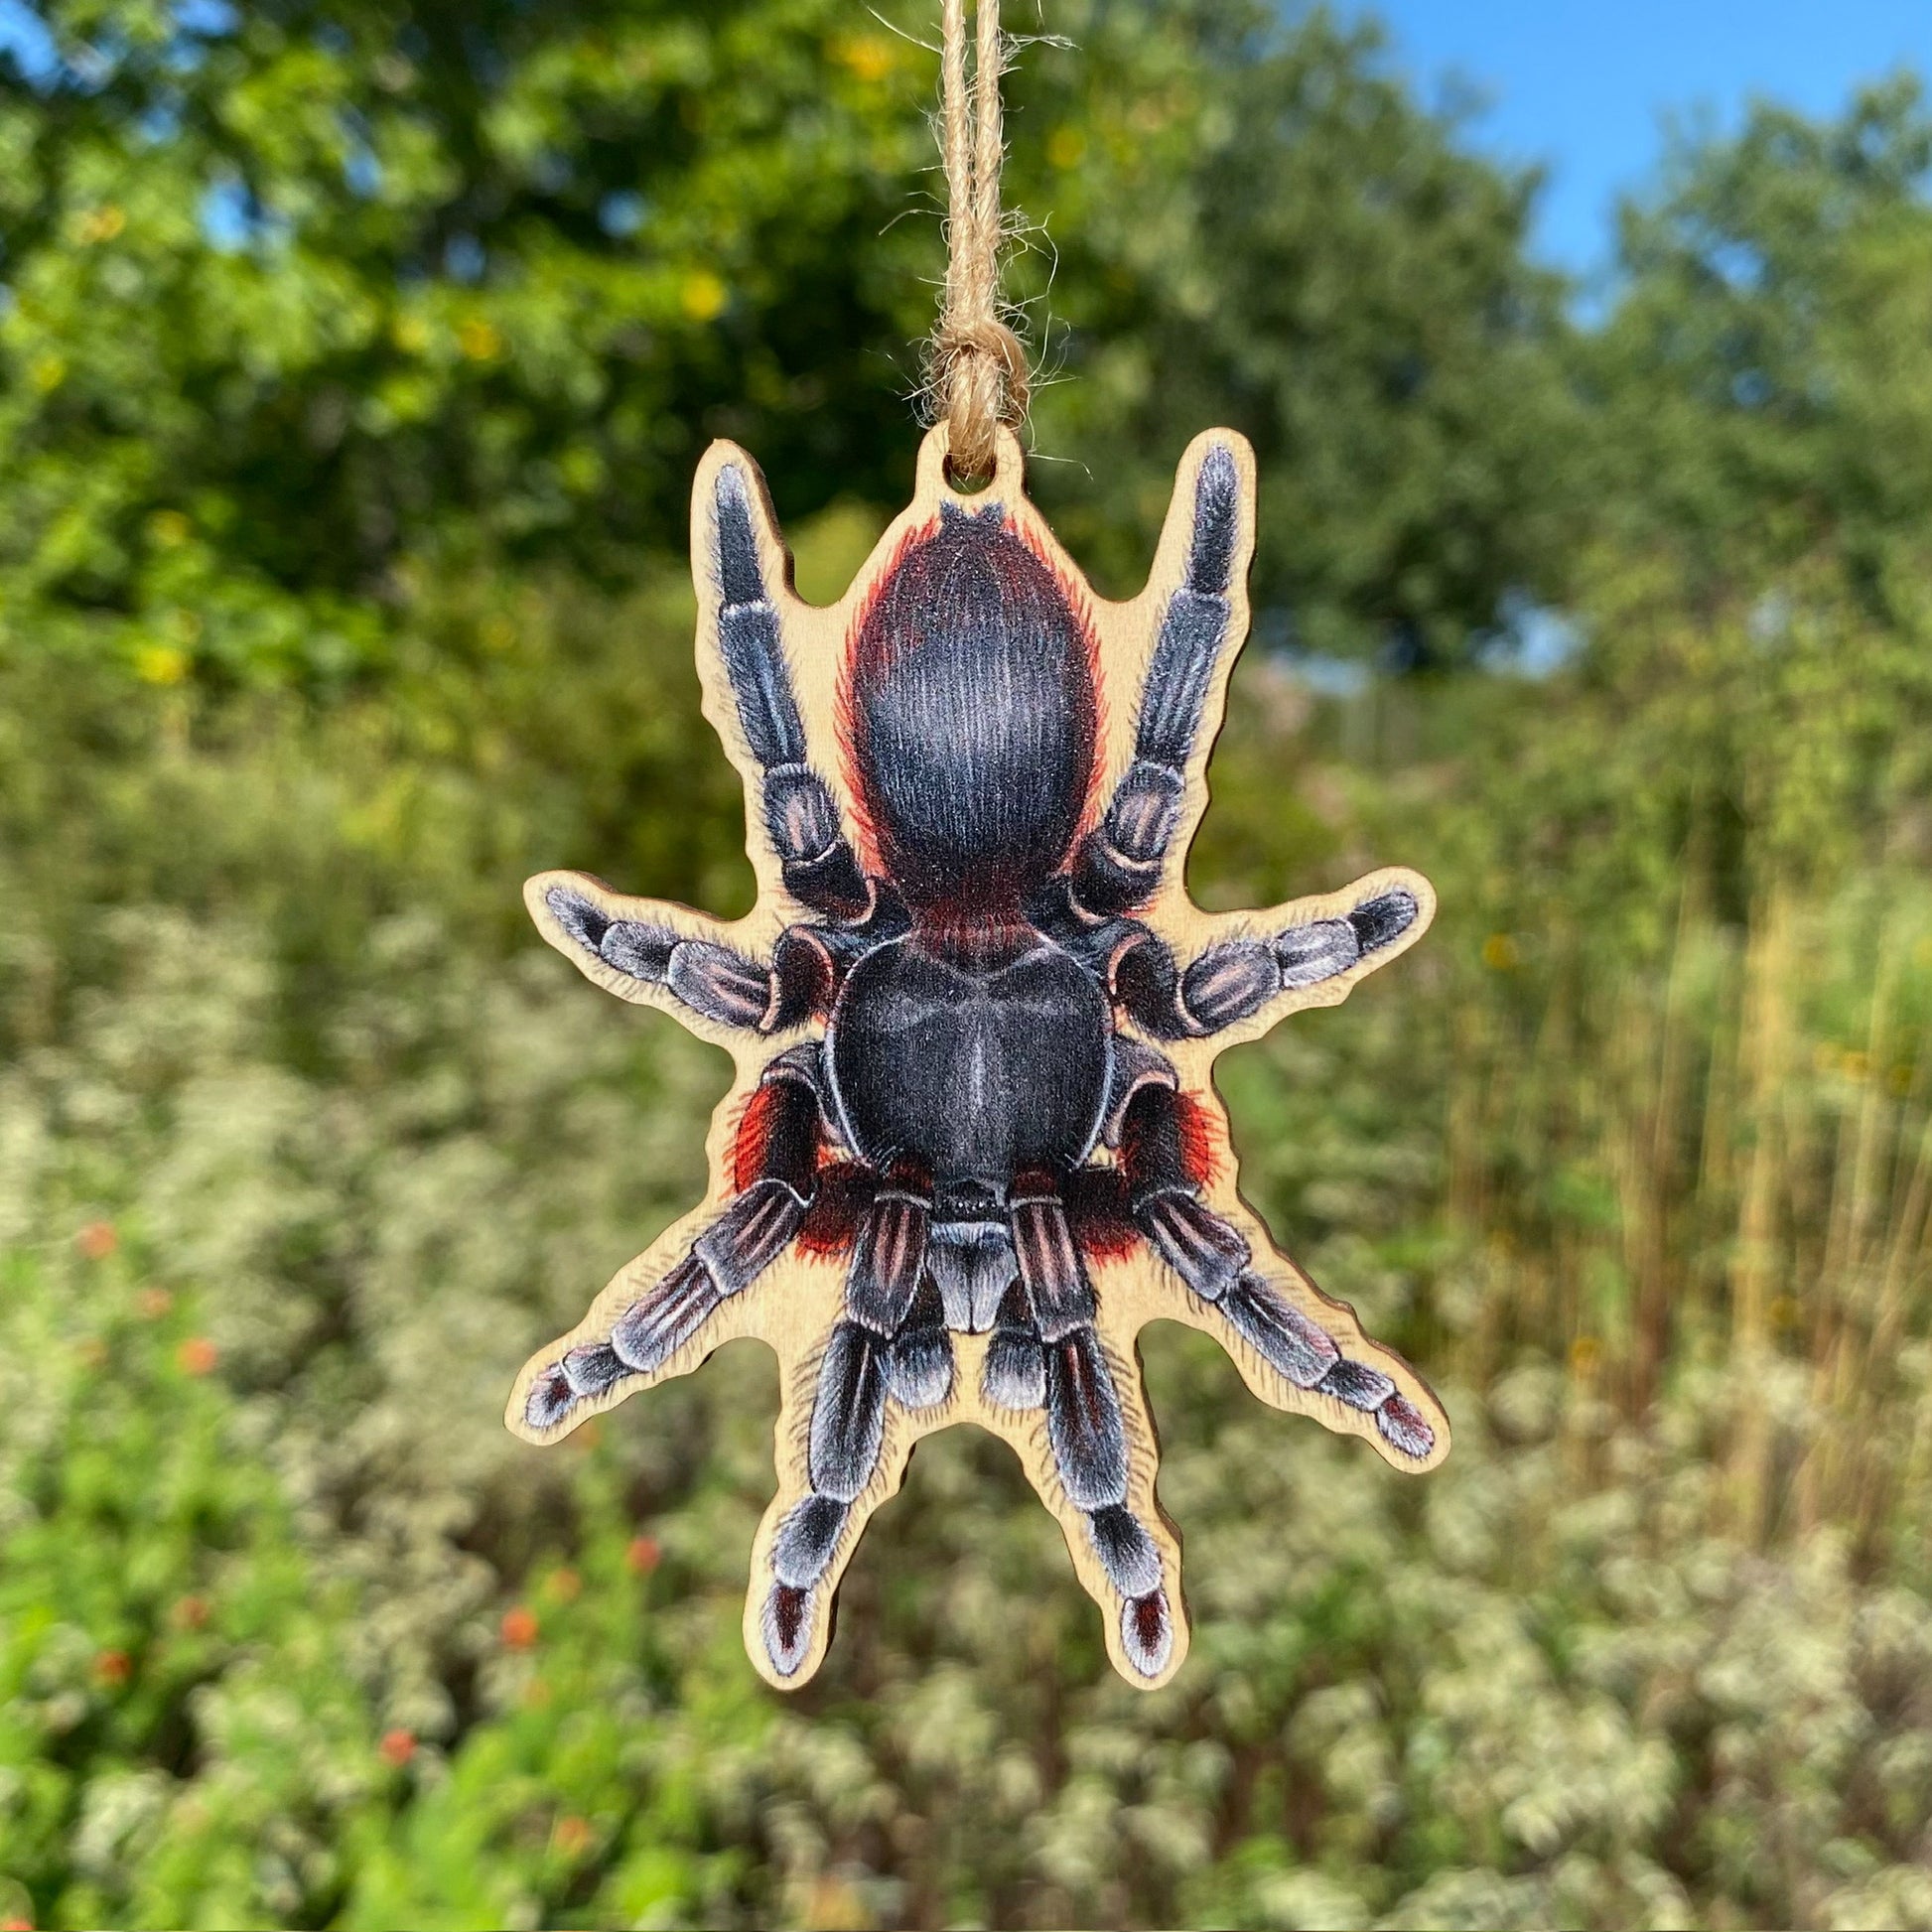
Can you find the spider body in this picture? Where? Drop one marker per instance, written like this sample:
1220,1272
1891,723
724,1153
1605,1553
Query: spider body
974,1070
979,1107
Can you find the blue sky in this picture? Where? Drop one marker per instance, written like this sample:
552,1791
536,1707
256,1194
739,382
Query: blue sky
1584,85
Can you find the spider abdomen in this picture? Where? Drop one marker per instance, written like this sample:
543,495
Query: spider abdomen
971,700
976,1071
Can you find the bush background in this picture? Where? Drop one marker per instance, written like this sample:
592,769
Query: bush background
354,360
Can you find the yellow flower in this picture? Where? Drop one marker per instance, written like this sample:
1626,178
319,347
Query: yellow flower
478,339
1584,1353
869,56
1067,147
410,333
1499,952
161,664
704,296
99,225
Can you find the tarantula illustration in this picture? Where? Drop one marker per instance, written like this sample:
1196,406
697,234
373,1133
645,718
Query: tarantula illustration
973,1023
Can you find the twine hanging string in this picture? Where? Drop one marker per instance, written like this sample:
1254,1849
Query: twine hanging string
977,370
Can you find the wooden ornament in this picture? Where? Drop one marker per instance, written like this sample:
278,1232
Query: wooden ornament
973,1142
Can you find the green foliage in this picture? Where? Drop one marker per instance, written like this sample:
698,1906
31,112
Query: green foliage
304,299
1261,229
443,1680
162,1634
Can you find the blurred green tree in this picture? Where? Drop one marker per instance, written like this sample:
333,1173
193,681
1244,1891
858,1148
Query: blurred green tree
1744,736
1769,367
306,298
1756,575
1259,226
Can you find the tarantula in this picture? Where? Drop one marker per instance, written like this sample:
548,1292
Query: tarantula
980,1108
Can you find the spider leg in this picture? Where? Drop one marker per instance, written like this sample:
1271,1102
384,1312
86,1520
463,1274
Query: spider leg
1214,1258
1085,1427
1118,865
708,978
777,1174
1234,980
1014,1374
800,813
890,1343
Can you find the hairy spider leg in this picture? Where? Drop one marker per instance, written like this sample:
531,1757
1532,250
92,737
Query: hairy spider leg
890,1343
801,814
705,976
1237,978
1119,863
1234,980
776,1175
1085,1427
1211,1255
1231,981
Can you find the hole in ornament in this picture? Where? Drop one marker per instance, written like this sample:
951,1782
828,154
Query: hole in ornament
969,482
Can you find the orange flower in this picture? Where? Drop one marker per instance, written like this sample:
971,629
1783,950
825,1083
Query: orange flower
191,1614
397,1747
573,1836
197,1357
644,1555
113,1667
153,1302
566,1586
519,1627
97,1240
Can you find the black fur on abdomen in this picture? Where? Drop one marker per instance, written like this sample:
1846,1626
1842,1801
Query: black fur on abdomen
970,693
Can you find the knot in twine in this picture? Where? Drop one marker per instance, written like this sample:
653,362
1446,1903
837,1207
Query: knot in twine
976,372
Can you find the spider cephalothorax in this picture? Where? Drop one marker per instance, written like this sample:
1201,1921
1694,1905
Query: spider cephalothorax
973,1143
